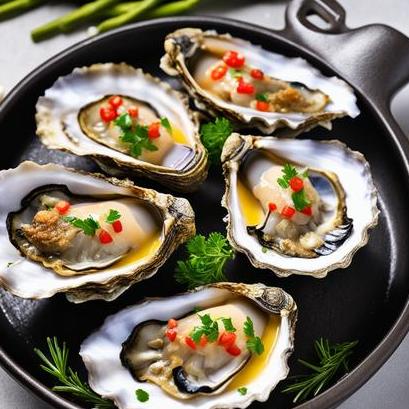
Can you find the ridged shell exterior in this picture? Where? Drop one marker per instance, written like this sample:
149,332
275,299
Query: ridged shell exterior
354,174
182,45
28,279
87,84
109,378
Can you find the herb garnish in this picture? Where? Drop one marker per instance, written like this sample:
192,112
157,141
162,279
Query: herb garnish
166,124
299,198
142,395
235,73
262,96
69,381
136,136
242,390
254,343
206,260
210,328
214,135
331,358
89,225
113,215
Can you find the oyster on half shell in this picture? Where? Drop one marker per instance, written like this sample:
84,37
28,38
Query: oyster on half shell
92,237
129,122
297,206
252,86
136,349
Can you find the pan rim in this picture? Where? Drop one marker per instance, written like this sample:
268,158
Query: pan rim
381,353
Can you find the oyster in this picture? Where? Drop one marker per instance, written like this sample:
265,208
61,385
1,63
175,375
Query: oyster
157,346
129,122
297,206
89,236
254,87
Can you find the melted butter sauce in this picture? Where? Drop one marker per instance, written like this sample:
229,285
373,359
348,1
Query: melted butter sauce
179,136
251,208
147,249
257,362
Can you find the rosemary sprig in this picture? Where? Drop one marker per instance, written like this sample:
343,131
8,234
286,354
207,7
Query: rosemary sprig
57,366
331,359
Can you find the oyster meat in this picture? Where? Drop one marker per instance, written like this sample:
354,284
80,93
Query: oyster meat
88,235
129,122
252,86
196,359
297,206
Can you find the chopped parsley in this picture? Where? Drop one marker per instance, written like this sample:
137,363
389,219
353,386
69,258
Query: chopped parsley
228,325
135,136
166,124
242,391
214,135
89,225
235,73
299,198
113,215
254,343
210,328
142,395
262,96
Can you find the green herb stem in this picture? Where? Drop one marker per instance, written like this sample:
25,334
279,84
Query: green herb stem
11,8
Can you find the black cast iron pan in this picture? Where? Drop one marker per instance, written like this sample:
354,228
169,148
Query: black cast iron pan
368,301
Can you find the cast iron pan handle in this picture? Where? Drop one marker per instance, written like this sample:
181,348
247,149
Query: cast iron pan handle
374,58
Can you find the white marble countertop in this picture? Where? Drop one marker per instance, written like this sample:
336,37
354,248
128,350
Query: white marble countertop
389,388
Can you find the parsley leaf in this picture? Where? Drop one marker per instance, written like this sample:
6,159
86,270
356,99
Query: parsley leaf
228,325
262,96
136,136
142,395
300,200
209,328
288,173
213,135
235,73
166,124
89,225
206,260
242,391
113,215
254,344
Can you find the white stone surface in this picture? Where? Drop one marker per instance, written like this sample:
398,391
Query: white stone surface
389,388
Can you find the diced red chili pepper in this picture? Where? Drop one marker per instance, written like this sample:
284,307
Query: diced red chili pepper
171,334
105,237
117,226
219,72
287,212
115,101
233,350
62,206
245,87
203,341
153,130
257,74
262,106
107,114
296,184
272,207
227,339
190,343
172,323
234,59
133,112
307,211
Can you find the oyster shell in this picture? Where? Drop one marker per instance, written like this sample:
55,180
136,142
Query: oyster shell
298,95
130,350
69,118
264,218
44,253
